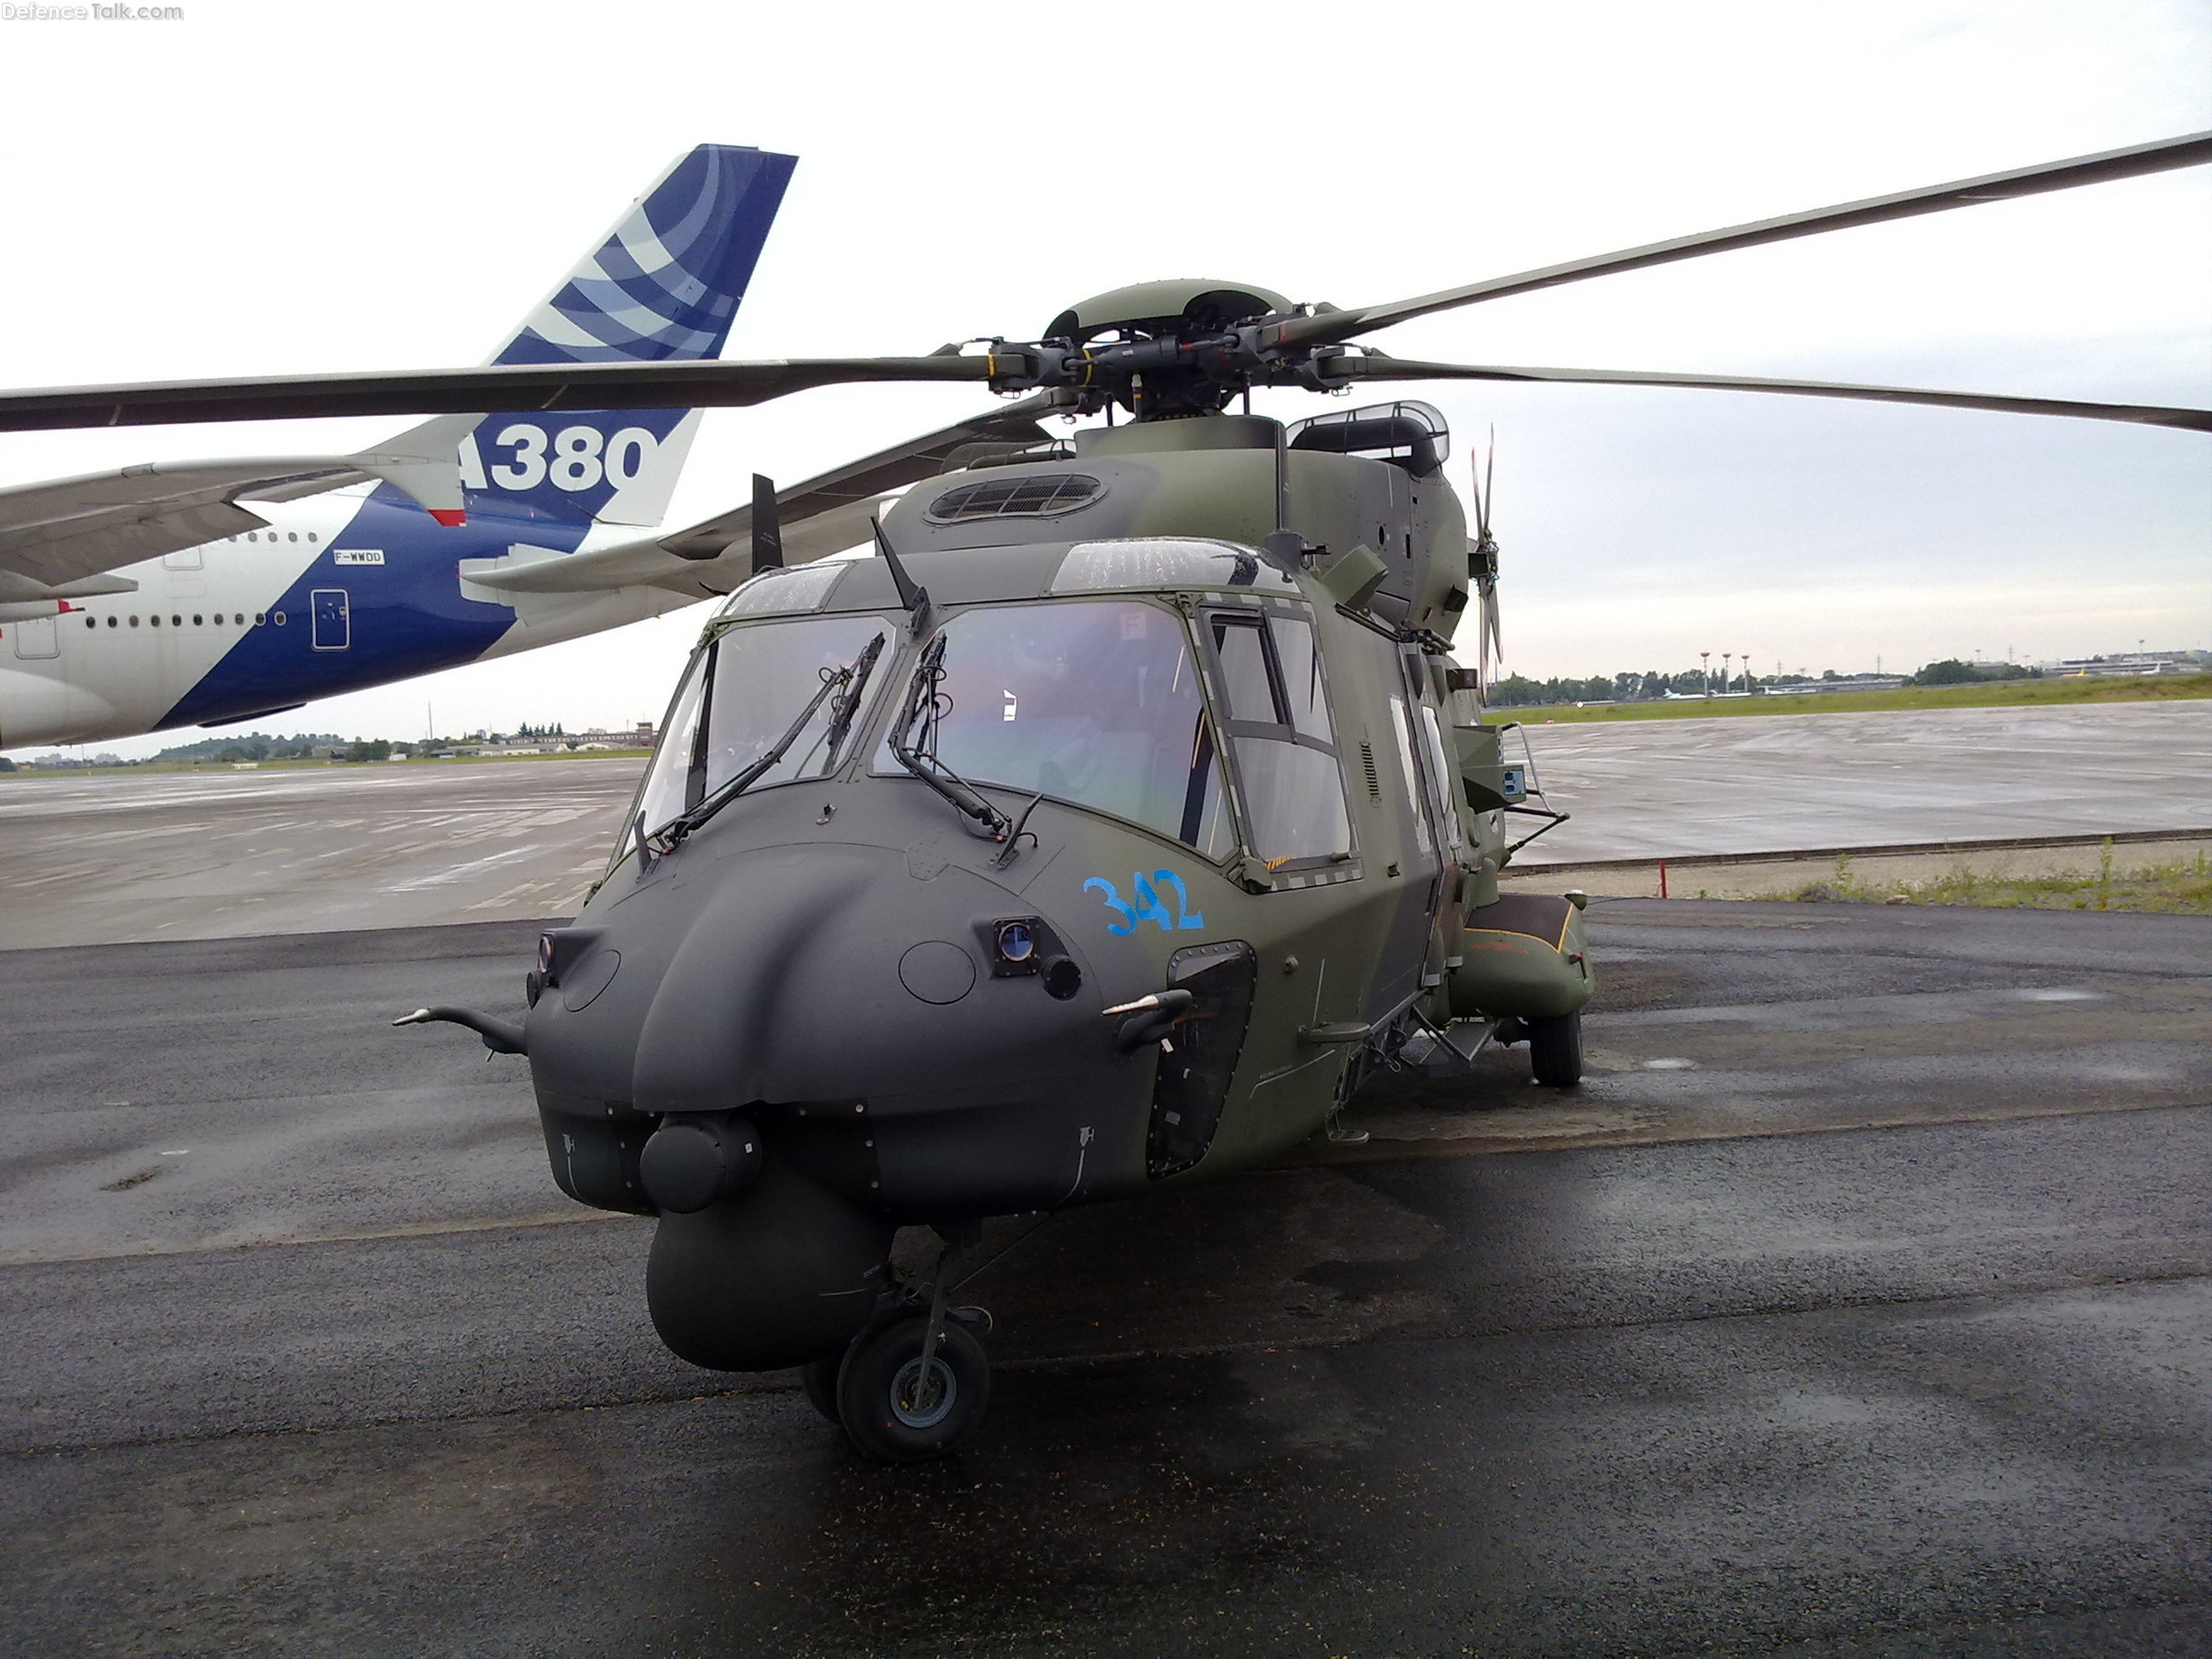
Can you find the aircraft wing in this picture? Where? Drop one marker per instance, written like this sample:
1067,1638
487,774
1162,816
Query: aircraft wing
64,534
825,514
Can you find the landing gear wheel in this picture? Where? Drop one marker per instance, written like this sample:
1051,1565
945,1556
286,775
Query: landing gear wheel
892,1410
818,1378
1555,1050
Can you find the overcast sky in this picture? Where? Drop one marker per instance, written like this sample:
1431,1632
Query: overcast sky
283,188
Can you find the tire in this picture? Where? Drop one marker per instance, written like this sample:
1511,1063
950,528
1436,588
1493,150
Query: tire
1555,1050
818,1379
875,1393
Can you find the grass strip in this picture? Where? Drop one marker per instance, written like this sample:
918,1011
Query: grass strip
2180,887
1989,694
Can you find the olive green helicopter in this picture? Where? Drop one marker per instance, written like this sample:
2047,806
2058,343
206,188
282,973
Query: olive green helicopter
1106,828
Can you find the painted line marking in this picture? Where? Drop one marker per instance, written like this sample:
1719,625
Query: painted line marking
464,871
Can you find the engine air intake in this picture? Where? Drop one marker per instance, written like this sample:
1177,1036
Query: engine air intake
1040,495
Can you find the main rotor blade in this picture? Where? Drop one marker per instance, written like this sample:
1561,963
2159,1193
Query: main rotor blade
711,385
2165,154
1402,368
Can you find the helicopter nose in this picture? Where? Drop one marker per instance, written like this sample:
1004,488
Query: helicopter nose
814,974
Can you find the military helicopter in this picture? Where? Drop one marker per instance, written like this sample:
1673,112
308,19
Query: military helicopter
1105,830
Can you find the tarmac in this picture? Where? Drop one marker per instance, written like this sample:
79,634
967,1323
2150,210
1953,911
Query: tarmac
1856,1305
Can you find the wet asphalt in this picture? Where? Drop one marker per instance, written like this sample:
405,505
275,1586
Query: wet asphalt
1857,1305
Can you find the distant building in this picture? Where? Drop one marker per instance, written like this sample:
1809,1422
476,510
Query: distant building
638,736
2133,662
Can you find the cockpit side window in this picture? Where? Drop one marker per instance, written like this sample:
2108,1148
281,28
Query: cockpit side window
1095,702
1247,688
1280,736
667,779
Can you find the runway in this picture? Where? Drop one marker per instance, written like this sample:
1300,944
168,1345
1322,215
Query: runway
116,856
1754,784
112,858
1858,1305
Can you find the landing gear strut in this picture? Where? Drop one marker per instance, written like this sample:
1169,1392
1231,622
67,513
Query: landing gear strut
915,1384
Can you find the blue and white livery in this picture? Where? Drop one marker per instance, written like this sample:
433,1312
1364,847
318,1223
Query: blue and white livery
206,592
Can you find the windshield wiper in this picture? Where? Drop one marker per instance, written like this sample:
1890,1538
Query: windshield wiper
847,705
851,679
914,742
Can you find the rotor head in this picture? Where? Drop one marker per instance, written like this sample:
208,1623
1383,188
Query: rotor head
1185,306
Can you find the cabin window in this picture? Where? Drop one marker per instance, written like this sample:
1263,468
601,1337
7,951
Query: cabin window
787,592
1093,702
1283,750
1151,563
743,691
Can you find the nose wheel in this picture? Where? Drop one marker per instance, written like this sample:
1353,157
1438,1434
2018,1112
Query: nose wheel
818,1379
915,1384
902,1399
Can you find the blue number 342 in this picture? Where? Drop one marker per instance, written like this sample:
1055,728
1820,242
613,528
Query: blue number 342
1145,906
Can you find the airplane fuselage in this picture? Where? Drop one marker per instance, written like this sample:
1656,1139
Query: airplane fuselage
338,594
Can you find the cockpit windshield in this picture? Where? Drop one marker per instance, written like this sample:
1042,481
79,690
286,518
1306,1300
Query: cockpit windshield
1095,702
742,696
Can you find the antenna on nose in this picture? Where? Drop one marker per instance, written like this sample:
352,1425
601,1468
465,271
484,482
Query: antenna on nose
913,597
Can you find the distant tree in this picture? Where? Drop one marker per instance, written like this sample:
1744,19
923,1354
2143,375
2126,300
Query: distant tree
377,750
6,764
1949,672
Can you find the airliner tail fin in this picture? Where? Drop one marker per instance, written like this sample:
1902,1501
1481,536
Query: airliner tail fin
663,285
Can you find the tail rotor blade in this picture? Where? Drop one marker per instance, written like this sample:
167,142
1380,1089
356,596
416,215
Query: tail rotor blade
1490,479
